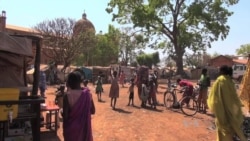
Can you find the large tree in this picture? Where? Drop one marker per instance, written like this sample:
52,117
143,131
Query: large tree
148,59
128,44
183,23
58,41
243,50
107,47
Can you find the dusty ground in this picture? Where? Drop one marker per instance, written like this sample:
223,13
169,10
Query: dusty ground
128,123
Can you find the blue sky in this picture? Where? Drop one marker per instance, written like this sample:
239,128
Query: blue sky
28,13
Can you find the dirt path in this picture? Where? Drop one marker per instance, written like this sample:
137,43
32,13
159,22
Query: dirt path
128,123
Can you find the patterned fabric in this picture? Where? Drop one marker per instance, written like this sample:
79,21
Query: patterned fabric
114,89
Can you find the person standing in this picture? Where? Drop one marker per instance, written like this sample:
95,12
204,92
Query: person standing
78,106
224,102
122,78
204,83
114,90
42,84
99,88
131,92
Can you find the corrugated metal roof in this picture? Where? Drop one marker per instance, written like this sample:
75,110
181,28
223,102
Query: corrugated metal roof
18,28
240,61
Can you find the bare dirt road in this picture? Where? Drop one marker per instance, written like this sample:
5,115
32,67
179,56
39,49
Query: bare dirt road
128,123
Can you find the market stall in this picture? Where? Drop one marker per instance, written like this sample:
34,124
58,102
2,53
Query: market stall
19,104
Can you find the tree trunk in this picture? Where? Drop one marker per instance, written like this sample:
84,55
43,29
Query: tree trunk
179,60
66,64
179,63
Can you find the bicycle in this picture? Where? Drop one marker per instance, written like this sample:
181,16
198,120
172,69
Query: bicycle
187,104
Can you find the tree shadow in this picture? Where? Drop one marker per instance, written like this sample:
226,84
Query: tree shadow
210,114
137,107
152,109
102,101
162,92
122,111
160,104
177,110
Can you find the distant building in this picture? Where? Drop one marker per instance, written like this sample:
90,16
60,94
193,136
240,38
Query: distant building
81,25
226,60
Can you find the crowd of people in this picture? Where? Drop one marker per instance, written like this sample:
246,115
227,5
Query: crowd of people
222,101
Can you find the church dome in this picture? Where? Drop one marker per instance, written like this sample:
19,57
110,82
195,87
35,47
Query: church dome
83,25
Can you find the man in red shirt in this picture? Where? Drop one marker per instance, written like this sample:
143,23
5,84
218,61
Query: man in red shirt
188,84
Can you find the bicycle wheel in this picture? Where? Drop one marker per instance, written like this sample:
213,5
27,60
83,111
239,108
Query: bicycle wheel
168,100
189,106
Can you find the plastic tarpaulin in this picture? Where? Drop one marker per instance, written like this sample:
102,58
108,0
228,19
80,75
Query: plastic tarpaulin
13,53
17,45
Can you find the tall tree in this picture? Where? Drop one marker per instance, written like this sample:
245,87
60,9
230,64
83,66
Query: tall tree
243,50
182,23
107,47
60,45
194,60
148,59
128,44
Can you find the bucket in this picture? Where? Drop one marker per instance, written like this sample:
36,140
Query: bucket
5,95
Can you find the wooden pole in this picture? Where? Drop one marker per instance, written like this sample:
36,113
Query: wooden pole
36,67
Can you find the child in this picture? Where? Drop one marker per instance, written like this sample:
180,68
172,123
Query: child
85,84
122,78
131,92
99,88
114,90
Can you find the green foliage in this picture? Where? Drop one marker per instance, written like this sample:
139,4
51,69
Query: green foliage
215,54
107,47
243,50
79,61
175,24
148,59
129,41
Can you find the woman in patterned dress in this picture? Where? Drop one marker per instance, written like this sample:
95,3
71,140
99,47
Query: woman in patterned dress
114,89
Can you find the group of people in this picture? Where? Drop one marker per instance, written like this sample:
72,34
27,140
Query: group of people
222,101
204,83
148,91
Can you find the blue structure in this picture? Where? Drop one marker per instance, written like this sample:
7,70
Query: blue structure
86,73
